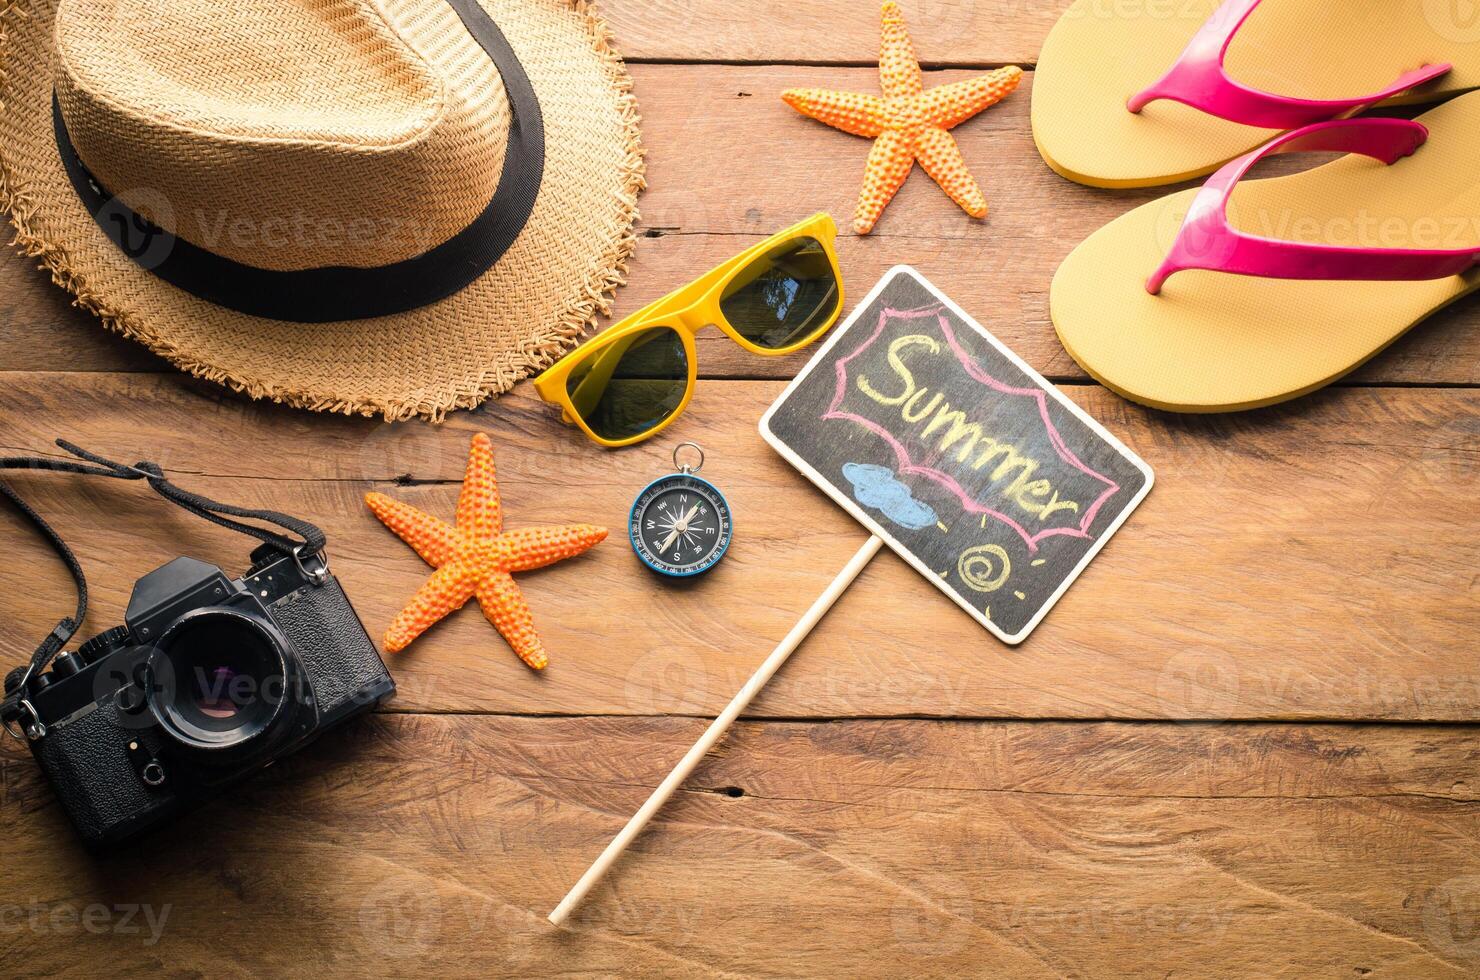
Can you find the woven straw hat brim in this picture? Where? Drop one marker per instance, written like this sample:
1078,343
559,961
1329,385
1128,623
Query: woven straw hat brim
519,316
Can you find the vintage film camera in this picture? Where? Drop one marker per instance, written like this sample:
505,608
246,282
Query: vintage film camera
208,679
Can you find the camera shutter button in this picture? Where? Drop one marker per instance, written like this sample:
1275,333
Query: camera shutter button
65,665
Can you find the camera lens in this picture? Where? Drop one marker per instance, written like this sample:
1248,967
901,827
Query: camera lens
218,678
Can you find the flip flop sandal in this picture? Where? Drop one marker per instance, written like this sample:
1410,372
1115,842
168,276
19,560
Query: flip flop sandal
1272,288
1116,105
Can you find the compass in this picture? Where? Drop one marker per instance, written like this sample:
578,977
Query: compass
680,525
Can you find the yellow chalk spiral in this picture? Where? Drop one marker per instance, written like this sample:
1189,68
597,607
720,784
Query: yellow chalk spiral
984,567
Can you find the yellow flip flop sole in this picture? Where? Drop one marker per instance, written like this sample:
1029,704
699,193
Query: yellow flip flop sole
1212,341
1101,52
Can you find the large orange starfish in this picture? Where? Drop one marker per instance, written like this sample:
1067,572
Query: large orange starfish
908,123
476,557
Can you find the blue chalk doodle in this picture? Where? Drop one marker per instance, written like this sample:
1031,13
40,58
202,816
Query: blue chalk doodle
878,487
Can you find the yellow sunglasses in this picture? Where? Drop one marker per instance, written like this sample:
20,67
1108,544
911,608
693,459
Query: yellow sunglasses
631,381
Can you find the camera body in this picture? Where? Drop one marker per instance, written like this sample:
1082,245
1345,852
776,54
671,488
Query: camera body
208,680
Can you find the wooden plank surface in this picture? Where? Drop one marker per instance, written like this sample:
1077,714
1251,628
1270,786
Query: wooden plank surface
700,121
946,32
422,845
1316,561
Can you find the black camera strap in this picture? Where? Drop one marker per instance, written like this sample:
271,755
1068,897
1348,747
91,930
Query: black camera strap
309,541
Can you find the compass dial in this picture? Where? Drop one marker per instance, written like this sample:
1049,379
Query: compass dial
680,525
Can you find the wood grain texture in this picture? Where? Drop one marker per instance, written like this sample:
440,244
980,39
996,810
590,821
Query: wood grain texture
946,32
1315,561
433,846
710,195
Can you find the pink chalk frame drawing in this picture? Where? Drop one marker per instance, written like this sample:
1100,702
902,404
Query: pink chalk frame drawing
907,464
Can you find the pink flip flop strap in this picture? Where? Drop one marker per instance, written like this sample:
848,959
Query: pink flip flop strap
1207,241
1197,79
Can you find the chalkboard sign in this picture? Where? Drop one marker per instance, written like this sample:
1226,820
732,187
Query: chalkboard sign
961,457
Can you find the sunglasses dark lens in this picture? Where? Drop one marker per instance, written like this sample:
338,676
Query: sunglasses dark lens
785,296
629,386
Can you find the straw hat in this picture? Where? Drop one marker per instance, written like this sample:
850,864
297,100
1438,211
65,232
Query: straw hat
394,207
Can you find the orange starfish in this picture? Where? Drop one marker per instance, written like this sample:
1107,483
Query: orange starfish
476,557
907,124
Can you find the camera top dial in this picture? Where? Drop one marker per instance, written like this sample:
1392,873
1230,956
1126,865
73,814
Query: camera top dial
104,643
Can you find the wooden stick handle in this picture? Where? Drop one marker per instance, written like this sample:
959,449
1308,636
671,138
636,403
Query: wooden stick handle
716,729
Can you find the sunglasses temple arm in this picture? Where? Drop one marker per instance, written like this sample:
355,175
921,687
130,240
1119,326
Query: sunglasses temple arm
661,307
